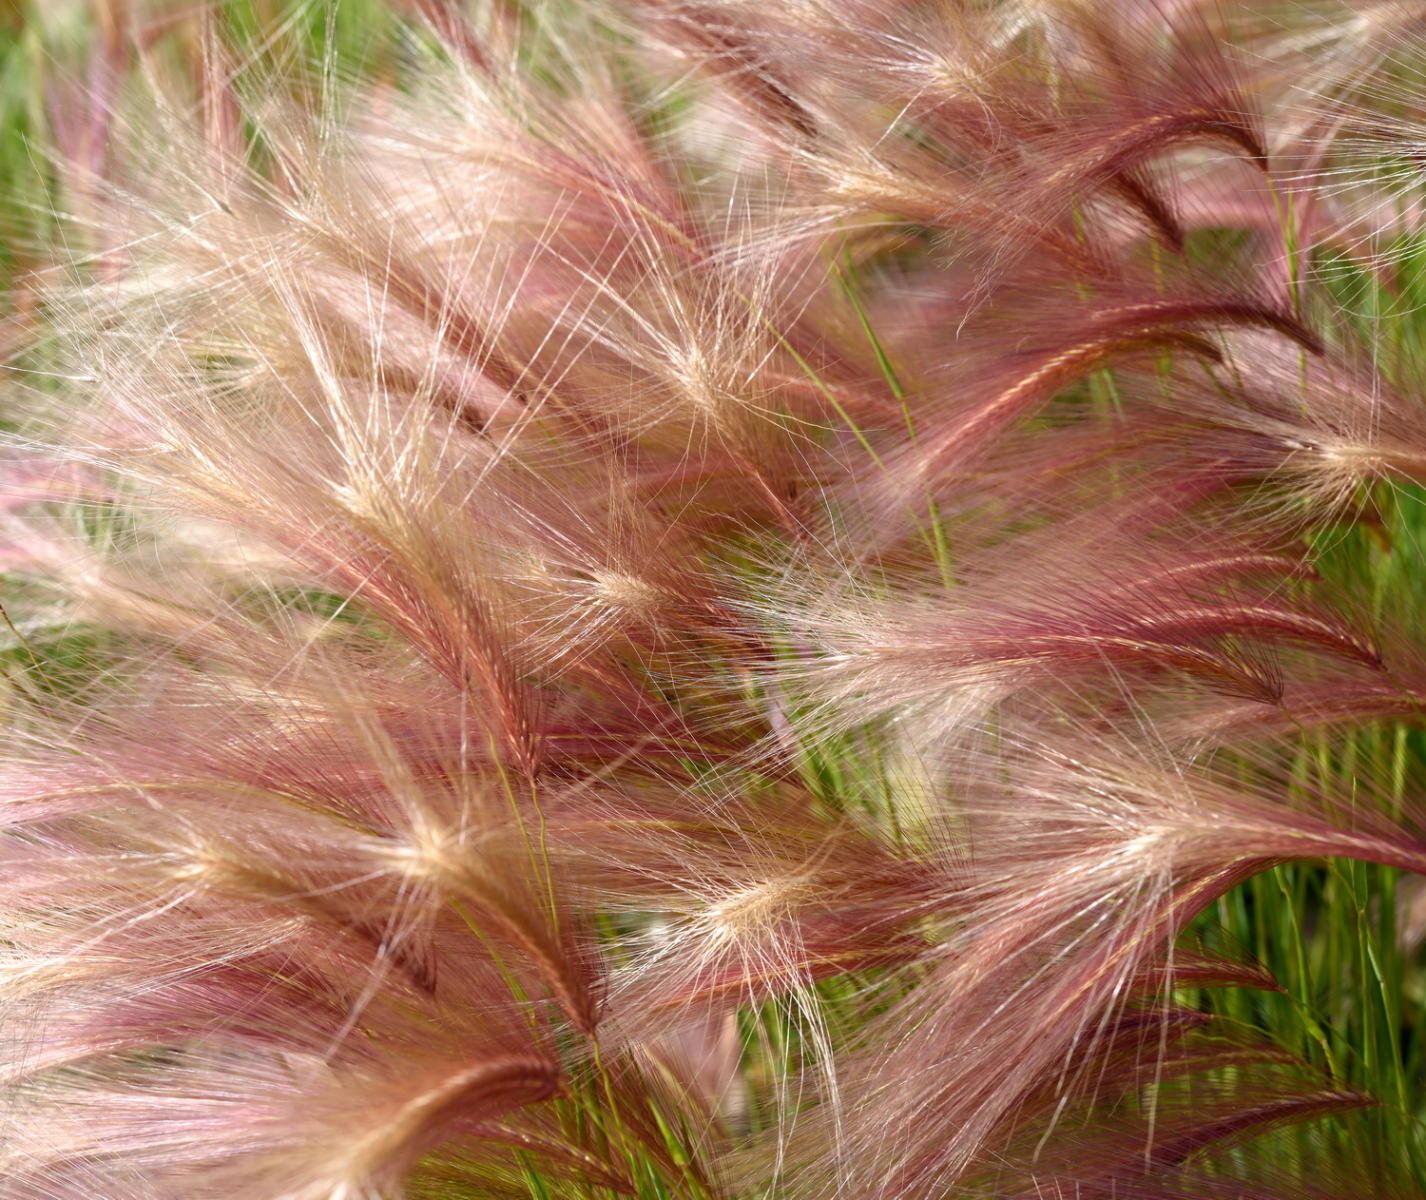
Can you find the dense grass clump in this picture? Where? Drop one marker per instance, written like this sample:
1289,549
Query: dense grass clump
713,600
